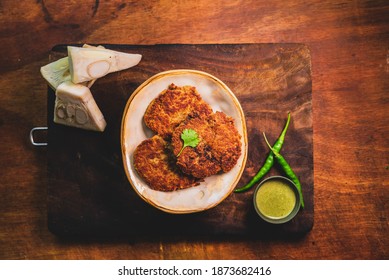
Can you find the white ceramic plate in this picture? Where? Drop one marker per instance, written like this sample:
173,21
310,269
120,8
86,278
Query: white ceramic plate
133,131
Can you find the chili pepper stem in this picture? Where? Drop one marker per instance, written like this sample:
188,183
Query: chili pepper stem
270,147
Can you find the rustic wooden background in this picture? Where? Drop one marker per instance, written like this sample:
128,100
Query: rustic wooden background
349,43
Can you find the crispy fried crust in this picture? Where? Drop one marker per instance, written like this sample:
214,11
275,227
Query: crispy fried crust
218,150
155,163
172,107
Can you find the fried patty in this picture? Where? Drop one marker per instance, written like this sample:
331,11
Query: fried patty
218,150
173,106
155,163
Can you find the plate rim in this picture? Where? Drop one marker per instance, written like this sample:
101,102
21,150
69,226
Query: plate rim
124,150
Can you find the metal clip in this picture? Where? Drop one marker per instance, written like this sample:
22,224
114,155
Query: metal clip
32,136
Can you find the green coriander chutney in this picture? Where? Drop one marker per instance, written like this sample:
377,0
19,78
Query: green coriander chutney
275,199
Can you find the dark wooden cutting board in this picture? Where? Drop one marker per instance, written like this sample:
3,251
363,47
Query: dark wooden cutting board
88,192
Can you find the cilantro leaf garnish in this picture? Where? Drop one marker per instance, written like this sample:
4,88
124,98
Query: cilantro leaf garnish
191,139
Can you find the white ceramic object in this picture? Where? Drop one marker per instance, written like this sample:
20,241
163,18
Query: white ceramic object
215,188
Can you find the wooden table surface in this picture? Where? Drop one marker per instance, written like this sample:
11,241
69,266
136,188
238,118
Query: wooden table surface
349,43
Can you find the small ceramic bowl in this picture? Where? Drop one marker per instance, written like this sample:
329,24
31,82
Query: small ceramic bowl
277,200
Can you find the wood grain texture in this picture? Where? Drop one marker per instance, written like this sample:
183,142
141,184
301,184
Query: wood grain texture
350,79
88,193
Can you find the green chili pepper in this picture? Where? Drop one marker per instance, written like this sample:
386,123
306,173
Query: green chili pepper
287,169
268,162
